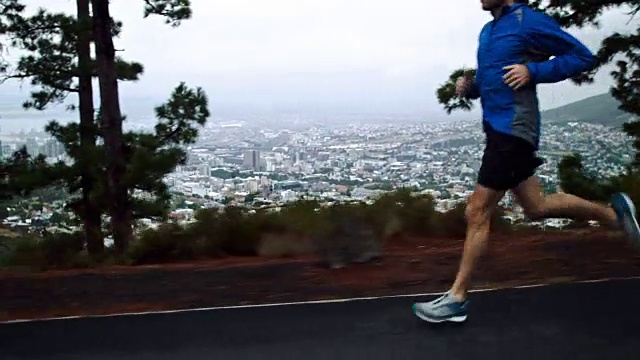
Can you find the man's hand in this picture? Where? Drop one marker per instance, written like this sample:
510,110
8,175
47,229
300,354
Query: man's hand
517,76
463,84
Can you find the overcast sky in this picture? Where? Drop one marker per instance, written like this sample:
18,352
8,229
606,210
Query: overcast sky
350,54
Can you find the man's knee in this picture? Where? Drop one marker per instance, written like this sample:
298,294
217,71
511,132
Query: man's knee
530,196
481,205
477,213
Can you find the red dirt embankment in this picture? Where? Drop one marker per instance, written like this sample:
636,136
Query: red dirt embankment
408,266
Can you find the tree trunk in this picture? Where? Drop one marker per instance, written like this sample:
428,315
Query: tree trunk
111,123
90,212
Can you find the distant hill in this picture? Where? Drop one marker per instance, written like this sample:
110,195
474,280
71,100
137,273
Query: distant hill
599,109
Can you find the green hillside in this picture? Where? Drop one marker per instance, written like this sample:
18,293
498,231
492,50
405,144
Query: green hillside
599,109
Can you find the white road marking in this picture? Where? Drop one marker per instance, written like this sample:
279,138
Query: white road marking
311,302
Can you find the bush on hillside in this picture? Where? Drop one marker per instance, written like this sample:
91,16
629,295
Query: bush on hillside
402,212
453,222
348,235
283,245
53,251
168,243
230,232
236,232
302,218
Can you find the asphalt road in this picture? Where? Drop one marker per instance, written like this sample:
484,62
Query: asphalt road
571,321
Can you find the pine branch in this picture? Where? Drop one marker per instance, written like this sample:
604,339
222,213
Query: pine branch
174,11
30,75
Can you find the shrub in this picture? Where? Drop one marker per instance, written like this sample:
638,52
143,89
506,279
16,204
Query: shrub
303,218
204,230
498,223
169,242
283,245
419,216
238,234
453,223
348,235
230,232
403,212
53,251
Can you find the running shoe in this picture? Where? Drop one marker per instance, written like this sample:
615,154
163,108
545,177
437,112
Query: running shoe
626,211
444,308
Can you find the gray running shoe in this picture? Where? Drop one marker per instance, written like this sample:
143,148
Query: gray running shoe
444,308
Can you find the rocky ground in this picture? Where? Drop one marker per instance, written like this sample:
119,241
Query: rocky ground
408,266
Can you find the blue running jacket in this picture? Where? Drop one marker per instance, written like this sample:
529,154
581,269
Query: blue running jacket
522,35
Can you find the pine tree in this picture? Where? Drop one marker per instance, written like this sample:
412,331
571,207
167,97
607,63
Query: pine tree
58,63
624,48
120,207
149,156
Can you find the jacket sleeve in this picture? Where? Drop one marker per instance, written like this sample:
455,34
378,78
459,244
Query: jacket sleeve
571,57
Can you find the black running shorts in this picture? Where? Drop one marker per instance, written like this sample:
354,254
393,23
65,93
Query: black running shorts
507,160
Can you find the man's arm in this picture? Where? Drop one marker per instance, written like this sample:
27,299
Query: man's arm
473,90
571,56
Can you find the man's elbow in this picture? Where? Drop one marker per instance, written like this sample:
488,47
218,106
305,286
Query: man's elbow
592,61
587,60
579,63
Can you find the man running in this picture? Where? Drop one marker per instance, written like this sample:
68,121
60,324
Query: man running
513,57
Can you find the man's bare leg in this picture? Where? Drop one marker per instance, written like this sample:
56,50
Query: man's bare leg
452,305
480,209
538,206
